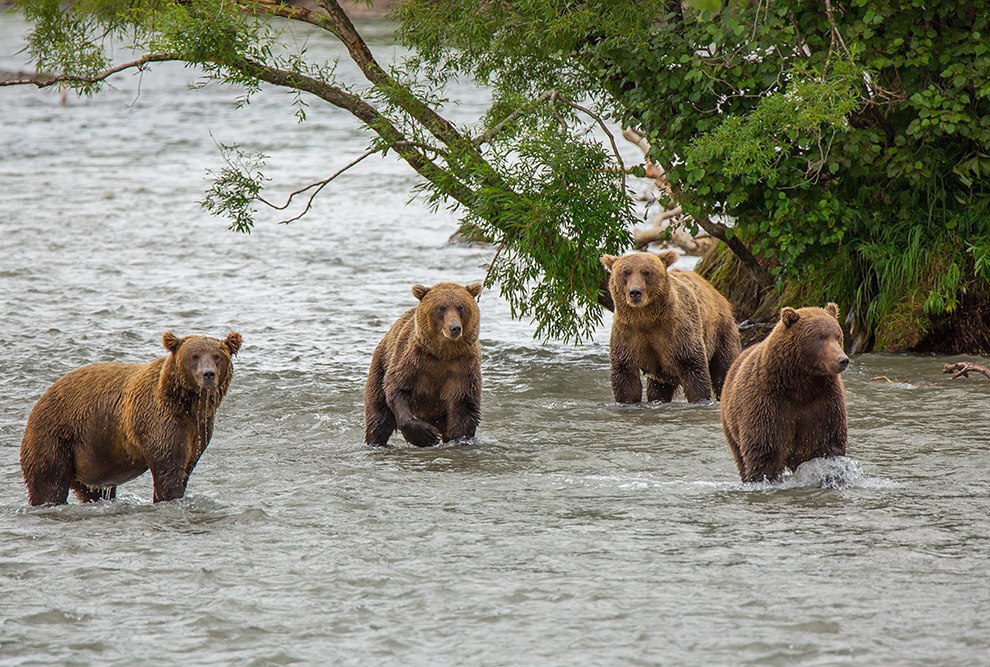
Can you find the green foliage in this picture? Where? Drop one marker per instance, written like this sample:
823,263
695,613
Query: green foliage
560,218
853,160
236,188
851,151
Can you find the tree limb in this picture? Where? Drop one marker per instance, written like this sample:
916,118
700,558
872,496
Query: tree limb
96,78
366,113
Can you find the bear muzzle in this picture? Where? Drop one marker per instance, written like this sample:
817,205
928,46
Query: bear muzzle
635,297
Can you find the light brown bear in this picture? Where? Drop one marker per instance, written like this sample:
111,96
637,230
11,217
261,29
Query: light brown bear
672,326
425,375
104,424
783,401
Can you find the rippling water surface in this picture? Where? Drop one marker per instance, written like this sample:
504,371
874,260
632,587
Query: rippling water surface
573,531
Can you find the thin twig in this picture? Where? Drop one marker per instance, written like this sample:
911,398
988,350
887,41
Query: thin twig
319,185
491,265
604,127
486,137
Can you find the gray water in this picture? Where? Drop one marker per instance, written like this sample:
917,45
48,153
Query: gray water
573,531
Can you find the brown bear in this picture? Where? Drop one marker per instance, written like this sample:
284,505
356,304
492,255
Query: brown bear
671,325
783,401
104,424
425,375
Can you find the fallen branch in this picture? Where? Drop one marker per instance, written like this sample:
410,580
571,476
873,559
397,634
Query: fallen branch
964,368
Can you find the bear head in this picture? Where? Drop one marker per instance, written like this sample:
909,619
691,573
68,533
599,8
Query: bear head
815,335
447,313
202,363
638,279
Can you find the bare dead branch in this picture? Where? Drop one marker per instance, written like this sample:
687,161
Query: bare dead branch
964,368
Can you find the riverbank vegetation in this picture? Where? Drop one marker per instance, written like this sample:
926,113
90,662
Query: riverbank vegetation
840,151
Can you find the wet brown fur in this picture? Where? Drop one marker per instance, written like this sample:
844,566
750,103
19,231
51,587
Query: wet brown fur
680,332
104,424
423,380
784,402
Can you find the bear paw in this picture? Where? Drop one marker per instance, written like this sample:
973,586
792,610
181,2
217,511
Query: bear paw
420,434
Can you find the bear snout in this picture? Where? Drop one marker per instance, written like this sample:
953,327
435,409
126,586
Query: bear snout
455,330
843,363
206,375
635,296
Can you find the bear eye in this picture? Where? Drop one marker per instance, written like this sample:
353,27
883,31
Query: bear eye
195,357
216,357
646,274
460,310
627,273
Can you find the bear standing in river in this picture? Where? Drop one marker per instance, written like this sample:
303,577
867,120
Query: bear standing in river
104,424
783,402
425,375
671,325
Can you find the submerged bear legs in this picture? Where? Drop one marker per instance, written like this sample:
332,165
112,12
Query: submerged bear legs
88,495
658,390
415,431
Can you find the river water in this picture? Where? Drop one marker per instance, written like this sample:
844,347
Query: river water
573,531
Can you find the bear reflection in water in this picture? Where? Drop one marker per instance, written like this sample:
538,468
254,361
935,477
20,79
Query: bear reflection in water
104,424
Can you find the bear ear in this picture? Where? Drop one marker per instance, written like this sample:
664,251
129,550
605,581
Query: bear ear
474,289
171,341
233,342
789,316
832,310
419,291
607,261
669,257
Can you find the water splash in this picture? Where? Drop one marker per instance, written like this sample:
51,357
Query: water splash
840,472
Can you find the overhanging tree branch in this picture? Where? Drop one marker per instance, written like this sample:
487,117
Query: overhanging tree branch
139,64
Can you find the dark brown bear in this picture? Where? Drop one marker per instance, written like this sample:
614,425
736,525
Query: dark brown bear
783,402
425,376
672,326
104,424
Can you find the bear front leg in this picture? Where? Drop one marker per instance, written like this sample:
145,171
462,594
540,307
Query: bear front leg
762,462
415,431
626,385
167,464
463,418
830,434
693,373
